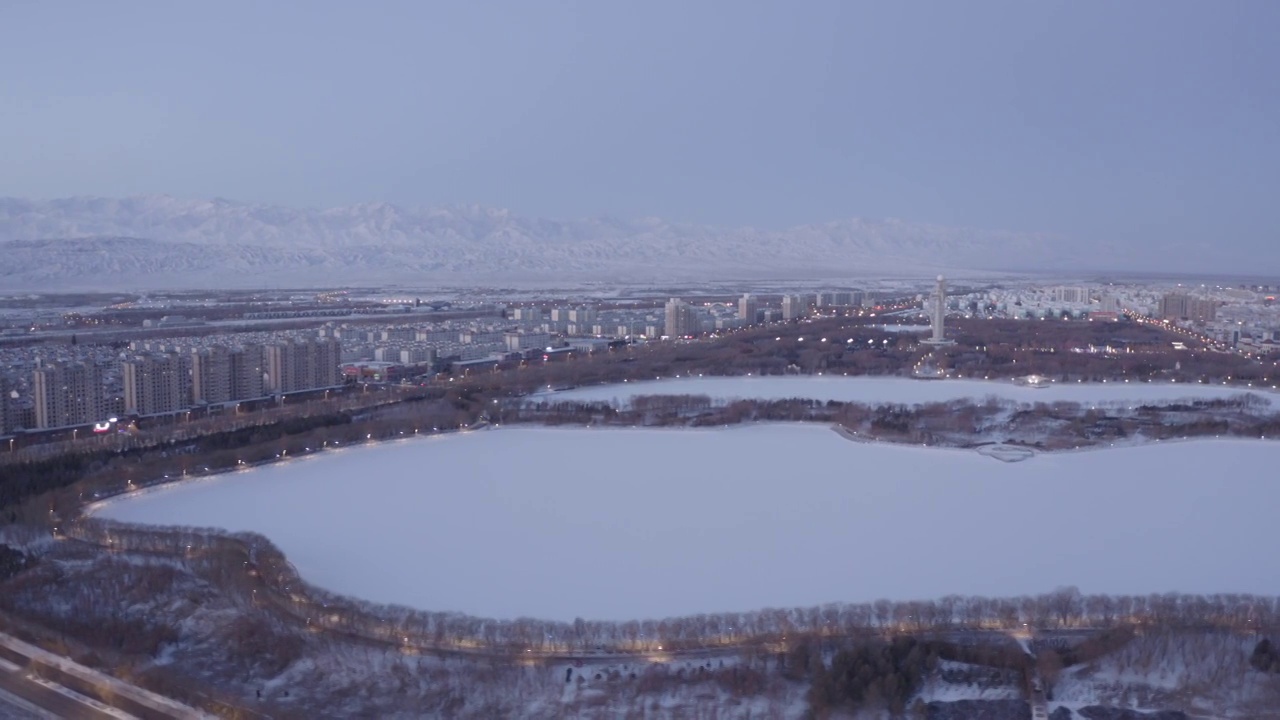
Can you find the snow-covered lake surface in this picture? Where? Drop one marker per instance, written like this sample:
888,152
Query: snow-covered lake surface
648,523
883,390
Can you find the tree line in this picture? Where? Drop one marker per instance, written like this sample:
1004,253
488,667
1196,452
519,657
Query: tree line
962,422
63,482
252,564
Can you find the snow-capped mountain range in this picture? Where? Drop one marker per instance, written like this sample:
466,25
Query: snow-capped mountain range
158,241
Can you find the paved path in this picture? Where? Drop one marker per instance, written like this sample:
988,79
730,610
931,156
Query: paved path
1035,693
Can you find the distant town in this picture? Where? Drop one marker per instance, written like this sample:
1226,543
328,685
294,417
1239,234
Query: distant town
102,368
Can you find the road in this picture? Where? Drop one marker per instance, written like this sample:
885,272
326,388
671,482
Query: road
28,692
126,333
67,689
13,707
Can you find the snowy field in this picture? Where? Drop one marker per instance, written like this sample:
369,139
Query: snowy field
648,523
907,391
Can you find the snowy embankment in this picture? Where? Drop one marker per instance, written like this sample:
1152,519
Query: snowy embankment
873,390
622,524
903,328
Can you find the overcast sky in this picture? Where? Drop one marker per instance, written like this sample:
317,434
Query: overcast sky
1125,121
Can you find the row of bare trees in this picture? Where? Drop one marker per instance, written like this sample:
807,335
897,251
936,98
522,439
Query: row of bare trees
252,564
958,422
994,349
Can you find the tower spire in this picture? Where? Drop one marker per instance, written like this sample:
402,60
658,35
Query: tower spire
938,314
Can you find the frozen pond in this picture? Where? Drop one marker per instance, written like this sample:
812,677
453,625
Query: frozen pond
629,524
908,391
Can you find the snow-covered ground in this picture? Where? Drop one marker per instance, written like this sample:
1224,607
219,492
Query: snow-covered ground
623,523
884,390
904,328
1205,673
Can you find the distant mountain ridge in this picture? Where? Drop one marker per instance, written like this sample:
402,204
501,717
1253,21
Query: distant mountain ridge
161,241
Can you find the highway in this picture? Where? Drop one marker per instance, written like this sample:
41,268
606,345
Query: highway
13,707
53,702
33,677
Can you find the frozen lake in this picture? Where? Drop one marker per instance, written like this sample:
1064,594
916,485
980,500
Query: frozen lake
908,391
629,524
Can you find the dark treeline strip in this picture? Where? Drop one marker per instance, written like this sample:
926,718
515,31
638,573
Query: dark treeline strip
984,349
961,423
253,564
30,491
885,673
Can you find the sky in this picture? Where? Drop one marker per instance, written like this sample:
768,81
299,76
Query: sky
1132,122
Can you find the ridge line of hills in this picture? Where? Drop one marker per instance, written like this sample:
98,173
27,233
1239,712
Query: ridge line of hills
157,240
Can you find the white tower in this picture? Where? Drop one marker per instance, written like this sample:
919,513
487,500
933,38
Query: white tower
939,314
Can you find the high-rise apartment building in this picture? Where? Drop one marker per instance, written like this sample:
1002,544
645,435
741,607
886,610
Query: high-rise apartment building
584,316
1176,306
748,308
792,307
836,298
527,314
6,422
1201,310
156,384
1173,306
1071,294
298,366
211,380
681,319
286,367
248,365
67,394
